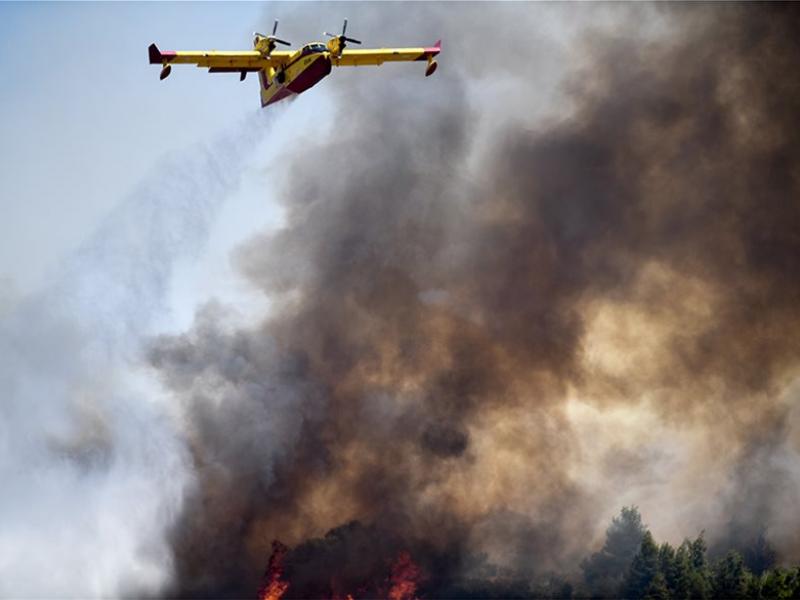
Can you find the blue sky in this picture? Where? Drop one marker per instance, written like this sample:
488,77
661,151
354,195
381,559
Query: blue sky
84,116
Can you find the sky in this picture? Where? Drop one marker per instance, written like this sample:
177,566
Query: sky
85,117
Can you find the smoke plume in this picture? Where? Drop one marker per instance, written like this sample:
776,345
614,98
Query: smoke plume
93,467
497,318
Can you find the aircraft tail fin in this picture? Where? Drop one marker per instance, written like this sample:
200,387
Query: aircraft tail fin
154,54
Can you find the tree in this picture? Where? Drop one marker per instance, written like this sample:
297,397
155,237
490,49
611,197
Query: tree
644,569
668,567
605,570
699,572
697,553
759,556
753,589
731,577
661,572
794,585
780,584
657,589
679,575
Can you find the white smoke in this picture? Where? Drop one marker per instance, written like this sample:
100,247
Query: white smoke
92,464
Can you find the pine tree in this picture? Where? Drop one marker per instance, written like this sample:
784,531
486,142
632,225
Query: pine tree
679,576
699,573
648,571
657,589
731,577
668,566
644,568
759,556
794,583
753,588
781,584
697,552
604,571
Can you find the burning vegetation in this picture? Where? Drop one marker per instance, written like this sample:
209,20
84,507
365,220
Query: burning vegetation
480,345
274,586
630,564
317,569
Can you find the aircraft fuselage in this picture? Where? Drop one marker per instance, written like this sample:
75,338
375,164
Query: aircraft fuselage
306,68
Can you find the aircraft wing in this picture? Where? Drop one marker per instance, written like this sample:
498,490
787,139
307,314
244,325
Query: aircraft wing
378,56
219,61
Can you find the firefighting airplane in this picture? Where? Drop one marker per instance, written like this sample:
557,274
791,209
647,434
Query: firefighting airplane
285,73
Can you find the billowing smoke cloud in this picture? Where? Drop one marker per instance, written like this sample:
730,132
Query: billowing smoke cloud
491,328
92,465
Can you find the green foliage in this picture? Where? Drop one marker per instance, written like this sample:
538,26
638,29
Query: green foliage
653,572
759,556
679,572
644,568
731,577
604,571
657,589
780,584
699,573
697,552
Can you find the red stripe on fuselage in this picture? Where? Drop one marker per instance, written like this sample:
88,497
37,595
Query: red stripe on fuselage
311,75
279,95
307,78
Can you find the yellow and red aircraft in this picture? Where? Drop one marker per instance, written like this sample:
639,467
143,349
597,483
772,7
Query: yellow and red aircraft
285,73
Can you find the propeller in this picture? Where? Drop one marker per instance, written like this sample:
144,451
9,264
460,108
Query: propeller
342,38
272,37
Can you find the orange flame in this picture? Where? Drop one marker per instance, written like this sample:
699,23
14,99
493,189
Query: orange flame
401,584
405,577
273,586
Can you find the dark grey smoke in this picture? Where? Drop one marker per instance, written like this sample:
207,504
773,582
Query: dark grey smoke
458,284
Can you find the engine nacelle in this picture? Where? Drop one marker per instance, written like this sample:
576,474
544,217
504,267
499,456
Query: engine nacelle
335,46
263,44
432,64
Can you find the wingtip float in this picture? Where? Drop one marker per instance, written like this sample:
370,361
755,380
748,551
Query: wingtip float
285,73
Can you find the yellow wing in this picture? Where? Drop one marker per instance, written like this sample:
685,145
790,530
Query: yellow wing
239,61
378,56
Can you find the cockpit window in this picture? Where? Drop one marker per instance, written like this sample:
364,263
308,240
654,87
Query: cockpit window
314,48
